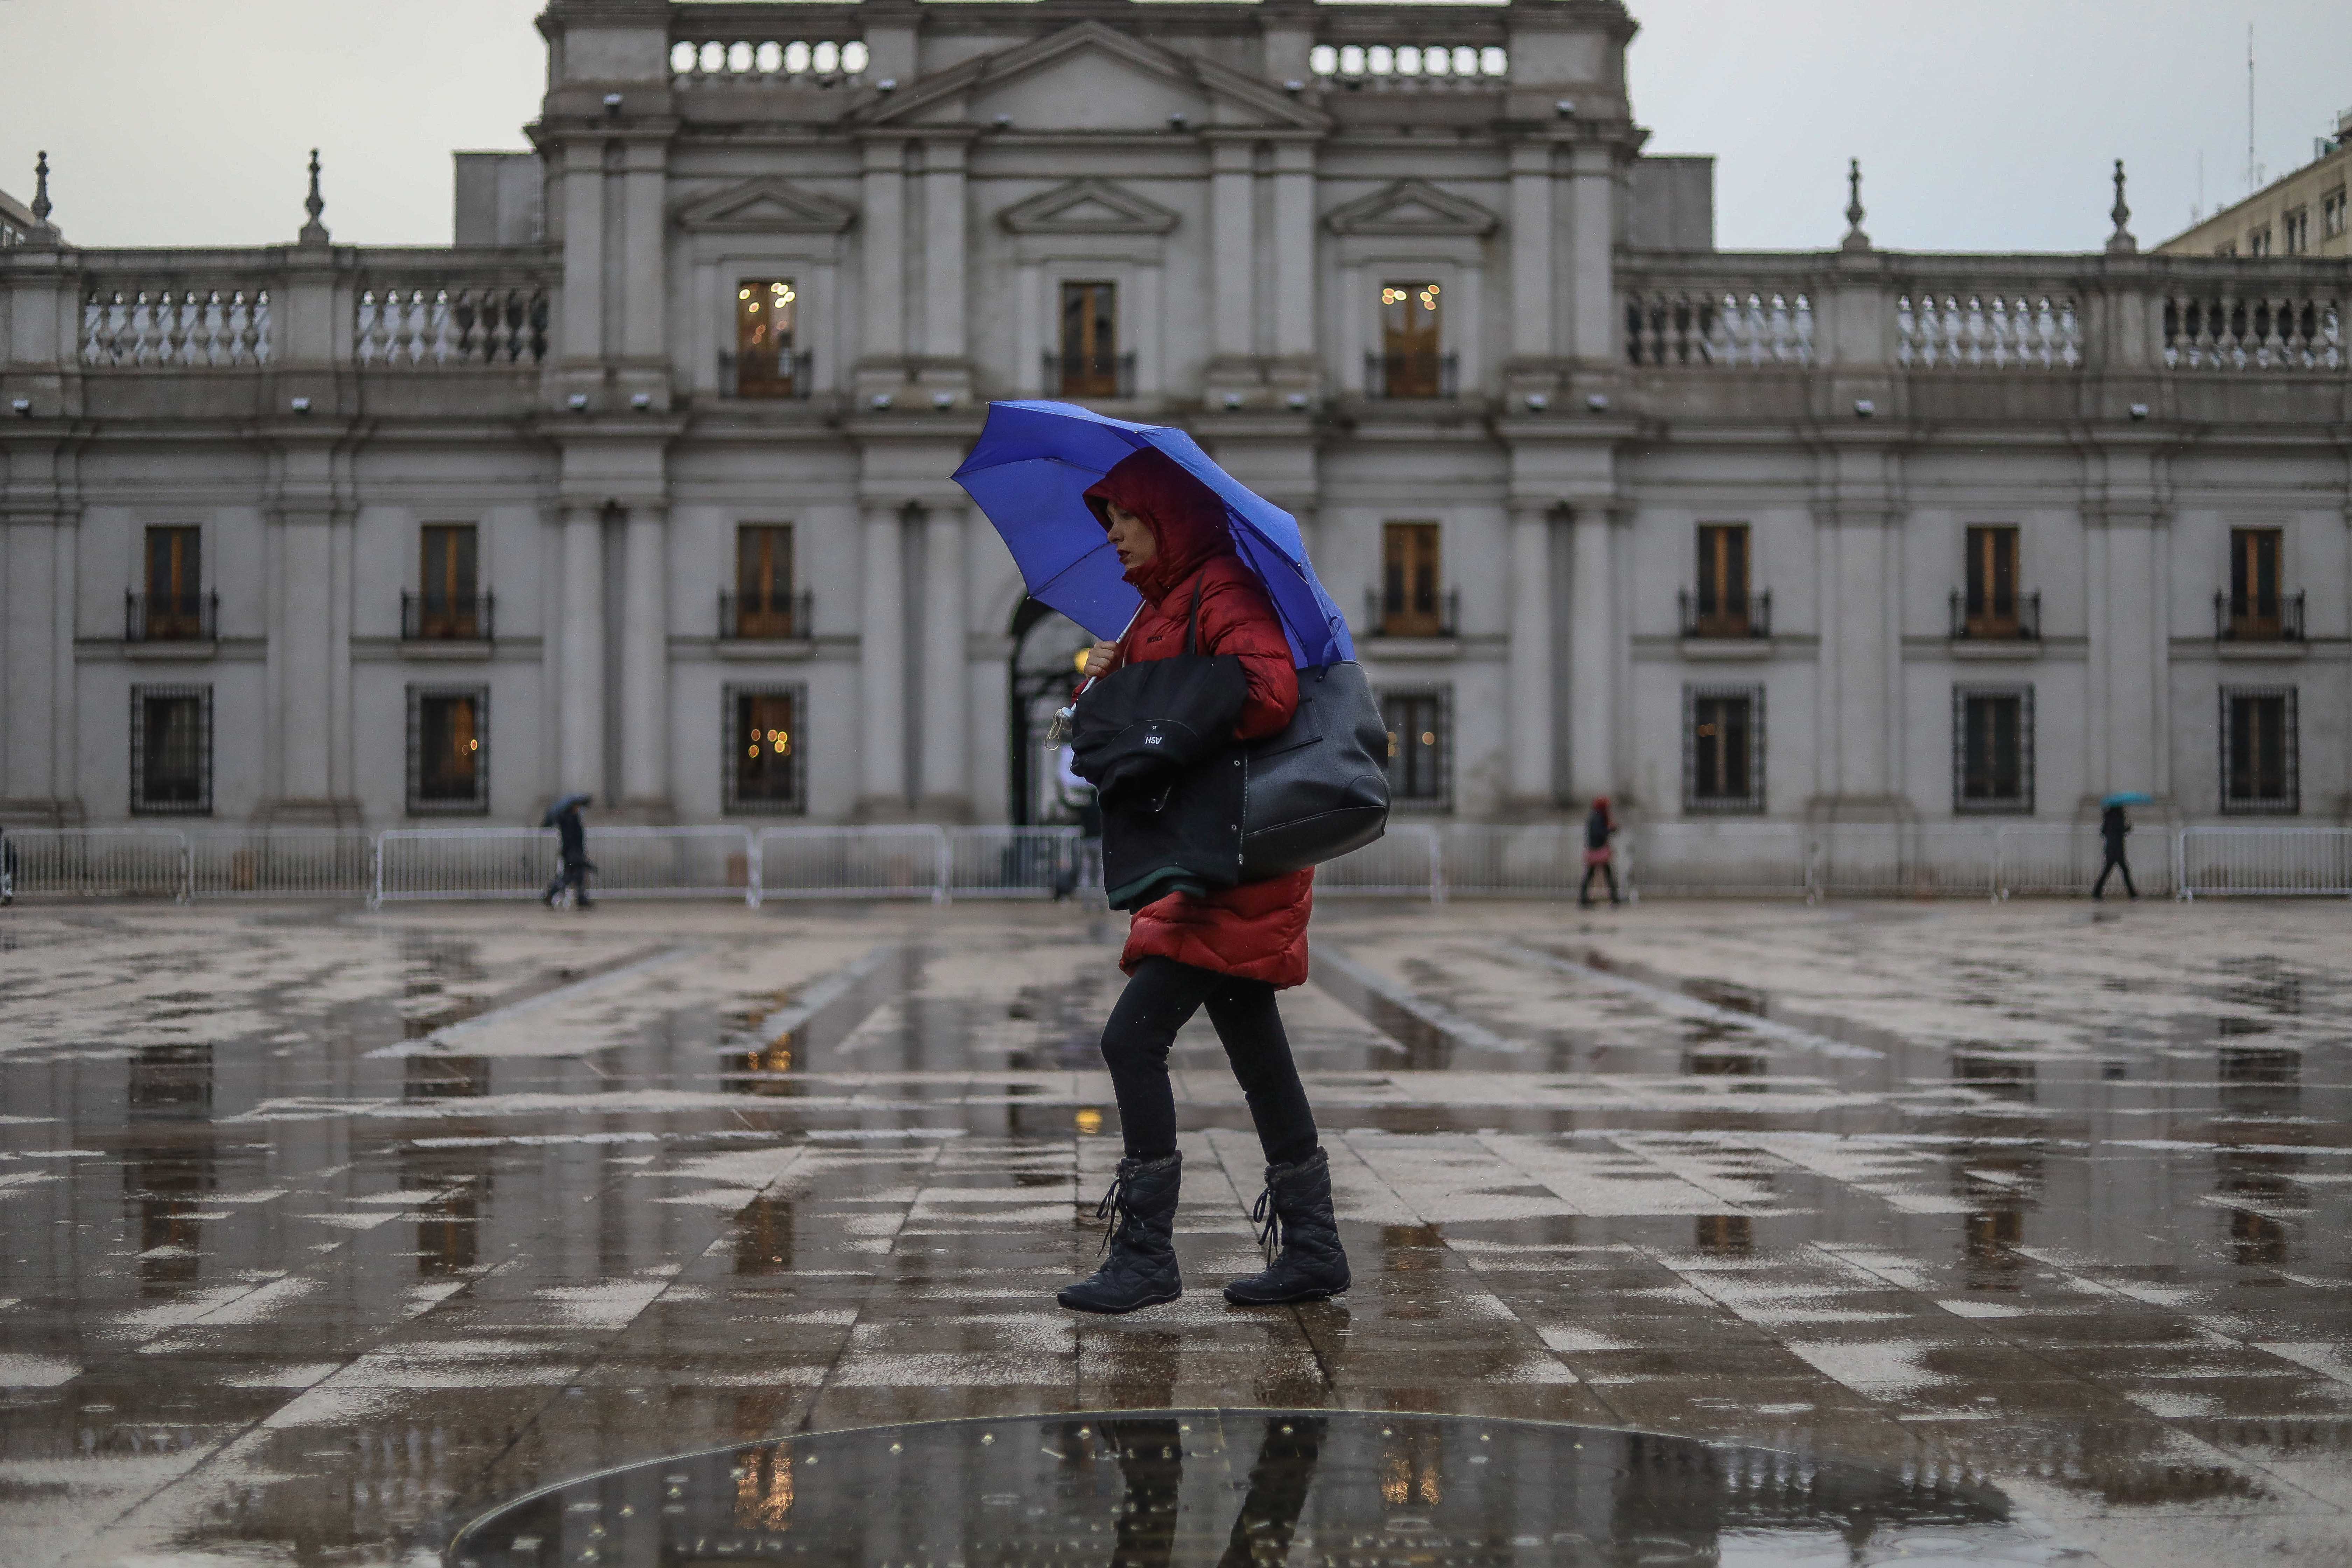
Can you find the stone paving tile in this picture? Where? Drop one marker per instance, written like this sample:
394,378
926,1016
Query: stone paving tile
319,1233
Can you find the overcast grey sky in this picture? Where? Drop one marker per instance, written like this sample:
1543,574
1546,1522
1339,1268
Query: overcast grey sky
1981,124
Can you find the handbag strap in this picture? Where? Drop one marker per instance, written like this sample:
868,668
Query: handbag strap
1192,630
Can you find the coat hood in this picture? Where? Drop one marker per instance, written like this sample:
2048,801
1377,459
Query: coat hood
1183,514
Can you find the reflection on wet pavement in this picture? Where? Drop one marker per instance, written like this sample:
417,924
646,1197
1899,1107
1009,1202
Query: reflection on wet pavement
321,1235
1244,1488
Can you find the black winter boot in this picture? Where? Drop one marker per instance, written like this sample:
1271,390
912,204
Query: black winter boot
1295,1208
1141,1269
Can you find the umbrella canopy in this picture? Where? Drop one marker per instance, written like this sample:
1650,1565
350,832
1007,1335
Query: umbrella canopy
2128,797
1029,472
562,805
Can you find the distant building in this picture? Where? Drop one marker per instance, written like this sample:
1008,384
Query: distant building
2302,213
641,487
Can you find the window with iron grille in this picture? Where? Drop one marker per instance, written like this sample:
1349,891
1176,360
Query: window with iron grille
764,745
448,751
2260,771
1420,747
1723,748
1992,748
171,750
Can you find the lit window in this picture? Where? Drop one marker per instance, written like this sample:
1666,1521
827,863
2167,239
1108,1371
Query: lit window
763,773
767,364
1723,748
449,763
1419,727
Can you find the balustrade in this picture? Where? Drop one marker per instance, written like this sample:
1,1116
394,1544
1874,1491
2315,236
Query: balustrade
175,325
1742,324
824,60
445,325
1946,328
2228,330
1410,67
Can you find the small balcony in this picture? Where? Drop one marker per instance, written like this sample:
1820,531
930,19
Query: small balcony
171,617
1088,375
2276,619
1974,620
1399,617
783,617
444,617
1729,618
1411,375
777,377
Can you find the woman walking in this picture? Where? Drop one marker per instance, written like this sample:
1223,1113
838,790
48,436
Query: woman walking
1229,952
1600,824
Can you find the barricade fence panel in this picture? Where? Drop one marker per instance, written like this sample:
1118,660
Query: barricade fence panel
671,863
2062,860
280,862
465,862
1898,859
1402,863
1017,863
2273,861
96,862
906,861
1734,859
1530,861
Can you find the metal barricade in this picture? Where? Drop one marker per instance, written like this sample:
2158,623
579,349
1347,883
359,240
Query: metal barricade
1016,862
1404,862
281,863
2271,862
1898,859
1534,860
520,863
2036,859
673,863
904,861
99,862
1734,860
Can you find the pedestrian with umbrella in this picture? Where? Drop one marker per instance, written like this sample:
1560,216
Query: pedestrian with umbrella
572,849
1135,534
2113,827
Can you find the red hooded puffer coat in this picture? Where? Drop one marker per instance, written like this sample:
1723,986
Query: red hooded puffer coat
1258,930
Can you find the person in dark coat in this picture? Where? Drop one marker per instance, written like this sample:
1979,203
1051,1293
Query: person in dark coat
1229,952
2113,827
1599,825
572,851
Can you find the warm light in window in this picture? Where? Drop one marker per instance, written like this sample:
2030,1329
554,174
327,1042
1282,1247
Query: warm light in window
1429,737
1089,1121
1392,296
1392,742
783,293
1706,731
473,745
1428,297
742,293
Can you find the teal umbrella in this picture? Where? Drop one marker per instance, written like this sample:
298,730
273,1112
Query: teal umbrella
2128,797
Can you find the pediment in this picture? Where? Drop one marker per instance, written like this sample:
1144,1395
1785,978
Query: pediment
1088,206
1089,76
1412,206
768,206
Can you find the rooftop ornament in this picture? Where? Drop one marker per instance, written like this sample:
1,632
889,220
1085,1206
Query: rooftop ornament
1855,240
314,232
2121,242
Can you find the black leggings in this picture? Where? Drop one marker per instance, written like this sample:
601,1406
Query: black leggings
1159,999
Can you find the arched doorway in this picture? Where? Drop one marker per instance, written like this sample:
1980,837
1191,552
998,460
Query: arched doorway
1043,671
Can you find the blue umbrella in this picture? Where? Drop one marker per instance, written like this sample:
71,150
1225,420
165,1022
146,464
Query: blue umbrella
1029,472
2128,797
560,807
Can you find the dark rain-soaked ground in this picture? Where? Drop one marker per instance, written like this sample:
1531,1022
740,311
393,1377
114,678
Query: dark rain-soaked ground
321,1233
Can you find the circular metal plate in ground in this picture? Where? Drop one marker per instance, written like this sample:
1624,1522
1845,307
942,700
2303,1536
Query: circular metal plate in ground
1142,1488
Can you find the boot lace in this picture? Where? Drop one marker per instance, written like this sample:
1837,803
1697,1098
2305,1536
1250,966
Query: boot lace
1267,1215
1113,1208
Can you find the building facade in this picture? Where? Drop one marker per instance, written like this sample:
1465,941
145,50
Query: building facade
2301,214
641,487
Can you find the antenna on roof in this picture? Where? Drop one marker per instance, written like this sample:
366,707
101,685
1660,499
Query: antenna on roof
2251,180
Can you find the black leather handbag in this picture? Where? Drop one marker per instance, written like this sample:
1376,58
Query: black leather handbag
1319,788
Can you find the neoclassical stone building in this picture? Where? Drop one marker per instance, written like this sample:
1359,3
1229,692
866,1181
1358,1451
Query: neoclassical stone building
641,487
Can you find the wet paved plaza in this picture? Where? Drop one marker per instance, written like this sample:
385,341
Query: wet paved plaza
2022,1228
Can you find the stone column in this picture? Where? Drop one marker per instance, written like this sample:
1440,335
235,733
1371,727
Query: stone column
1532,277
29,692
1528,679
946,701
2129,653
645,315
1592,190
1293,249
1233,258
884,242
644,661
943,249
580,663
581,192
302,646
1592,638
882,667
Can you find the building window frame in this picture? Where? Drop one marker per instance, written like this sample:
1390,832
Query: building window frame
2020,801
450,606
1438,796
2332,212
757,367
794,801
1696,697
2258,241
767,603
201,804
2287,801
1411,600
1093,364
479,802
2294,231
1413,360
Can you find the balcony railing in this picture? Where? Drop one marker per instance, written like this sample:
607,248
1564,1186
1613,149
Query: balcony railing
440,618
1976,621
1726,617
2276,620
1089,375
1411,375
448,324
171,617
780,618
783,375
1387,617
